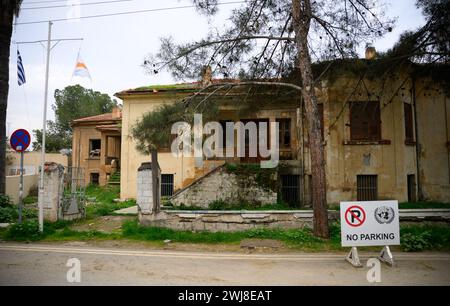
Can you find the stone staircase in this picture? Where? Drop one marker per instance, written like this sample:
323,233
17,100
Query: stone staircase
208,166
114,179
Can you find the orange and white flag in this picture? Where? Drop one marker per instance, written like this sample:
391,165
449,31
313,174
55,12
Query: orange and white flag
81,69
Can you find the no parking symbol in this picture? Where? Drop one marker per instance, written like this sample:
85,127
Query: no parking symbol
355,216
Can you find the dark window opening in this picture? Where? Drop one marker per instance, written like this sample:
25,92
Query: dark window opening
95,146
365,122
290,189
95,178
322,128
166,185
367,187
411,178
409,131
284,132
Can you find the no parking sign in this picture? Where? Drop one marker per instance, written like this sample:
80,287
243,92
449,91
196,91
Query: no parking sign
370,223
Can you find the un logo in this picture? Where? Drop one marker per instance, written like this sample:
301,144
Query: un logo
384,214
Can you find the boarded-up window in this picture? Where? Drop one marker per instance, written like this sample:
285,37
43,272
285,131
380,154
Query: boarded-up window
284,132
166,185
367,187
409,131
365,123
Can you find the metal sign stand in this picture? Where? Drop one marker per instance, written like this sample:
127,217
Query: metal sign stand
353,258
386,256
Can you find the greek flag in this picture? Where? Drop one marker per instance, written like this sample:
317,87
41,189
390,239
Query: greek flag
20,70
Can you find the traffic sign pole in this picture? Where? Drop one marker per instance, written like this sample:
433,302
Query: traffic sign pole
21,188
19,141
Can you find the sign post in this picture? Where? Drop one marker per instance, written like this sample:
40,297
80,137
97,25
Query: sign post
20,140
370,223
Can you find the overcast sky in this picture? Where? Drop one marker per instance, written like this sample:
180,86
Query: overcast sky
114,47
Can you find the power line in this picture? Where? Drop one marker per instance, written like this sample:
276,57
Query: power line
124,13
72,5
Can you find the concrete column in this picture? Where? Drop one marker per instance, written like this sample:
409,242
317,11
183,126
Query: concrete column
144,188
53,190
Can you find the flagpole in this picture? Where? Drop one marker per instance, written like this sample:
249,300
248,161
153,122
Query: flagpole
44,129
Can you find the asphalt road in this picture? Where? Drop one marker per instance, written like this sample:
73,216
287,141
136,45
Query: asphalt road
37,264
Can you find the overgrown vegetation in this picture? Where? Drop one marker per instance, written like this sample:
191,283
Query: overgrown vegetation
103,203
264,177
423,205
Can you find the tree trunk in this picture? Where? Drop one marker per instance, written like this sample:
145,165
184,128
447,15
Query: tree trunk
301,11
5,41
155,182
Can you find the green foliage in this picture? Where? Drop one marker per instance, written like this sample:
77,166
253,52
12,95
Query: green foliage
132,230
104,201
72,102
30,200
55,138
153,131
415,242
75,102
26,231
8,214
423,205
425,237
5,201
264,177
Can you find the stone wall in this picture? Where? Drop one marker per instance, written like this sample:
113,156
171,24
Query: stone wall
231,221
227,186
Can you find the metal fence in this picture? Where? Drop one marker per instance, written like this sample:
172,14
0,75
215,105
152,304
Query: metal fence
73,200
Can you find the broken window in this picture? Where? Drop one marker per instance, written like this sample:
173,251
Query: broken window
322,129
95,178
367,187
365,122
284,132
409,131
95,146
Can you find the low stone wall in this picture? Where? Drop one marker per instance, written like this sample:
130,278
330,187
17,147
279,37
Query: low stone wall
231,221
223,185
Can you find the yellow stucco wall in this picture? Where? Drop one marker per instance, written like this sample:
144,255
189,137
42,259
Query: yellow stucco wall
80,152
433,118
133,109
392,161
32,161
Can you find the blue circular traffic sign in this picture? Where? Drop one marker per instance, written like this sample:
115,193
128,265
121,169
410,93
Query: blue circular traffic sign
20,140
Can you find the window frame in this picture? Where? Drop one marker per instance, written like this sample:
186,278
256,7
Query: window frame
367,131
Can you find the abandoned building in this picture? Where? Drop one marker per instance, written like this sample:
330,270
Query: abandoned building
96,146
385,137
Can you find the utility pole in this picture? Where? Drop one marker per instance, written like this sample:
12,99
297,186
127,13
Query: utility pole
48,48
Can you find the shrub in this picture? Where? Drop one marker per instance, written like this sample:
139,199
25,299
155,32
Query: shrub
25,231
416,242
5,201
8,214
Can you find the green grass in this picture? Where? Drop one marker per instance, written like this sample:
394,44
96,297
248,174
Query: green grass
132,230
413,237
104,201
422,205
